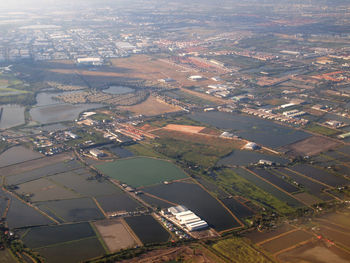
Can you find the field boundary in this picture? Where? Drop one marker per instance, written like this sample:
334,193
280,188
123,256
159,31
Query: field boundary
275,186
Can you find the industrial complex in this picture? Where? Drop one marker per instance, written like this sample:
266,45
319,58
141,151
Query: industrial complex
186,218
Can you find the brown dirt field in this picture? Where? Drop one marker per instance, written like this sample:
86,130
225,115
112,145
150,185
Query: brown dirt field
307,198
187,254
257,237
115,235
200,138
184,128
336,235
312,145
151,107
210,131
339,218
315,252
34,164
286,241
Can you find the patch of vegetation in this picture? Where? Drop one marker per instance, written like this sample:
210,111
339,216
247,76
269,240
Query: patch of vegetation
143,150
182,120
101,117
235,184
321,130
192,153
22,99
236,250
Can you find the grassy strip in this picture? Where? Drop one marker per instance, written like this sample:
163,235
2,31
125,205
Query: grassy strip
143,150
321,130
99,237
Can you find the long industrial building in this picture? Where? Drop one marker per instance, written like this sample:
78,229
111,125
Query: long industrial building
187,218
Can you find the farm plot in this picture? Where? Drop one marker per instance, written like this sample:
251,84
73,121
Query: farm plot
312,146
285,241
83,186
344,149
198,200
335,234
18,154
315,251
21,215
239,251
118,202
60,167
44,190
240,210
34,164
274,179
320,175
72,252
73,210
258,236
312,187
50,235
339,156
147,229
115,235
307,199
267,187
142,171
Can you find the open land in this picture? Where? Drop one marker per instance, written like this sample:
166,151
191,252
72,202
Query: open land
116,235
152,106
312,146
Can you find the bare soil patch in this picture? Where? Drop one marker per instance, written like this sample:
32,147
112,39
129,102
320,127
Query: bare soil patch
312,146
184,128
151,107
316,251
115,235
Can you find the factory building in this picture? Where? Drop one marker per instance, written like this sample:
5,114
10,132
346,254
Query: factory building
187,218
97,153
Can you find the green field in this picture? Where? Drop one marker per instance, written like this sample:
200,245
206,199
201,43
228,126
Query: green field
237,250
321,130
141,171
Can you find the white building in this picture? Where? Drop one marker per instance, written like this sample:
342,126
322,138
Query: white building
187,218
97,153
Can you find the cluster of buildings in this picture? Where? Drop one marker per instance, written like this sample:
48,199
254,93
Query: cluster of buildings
291,118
